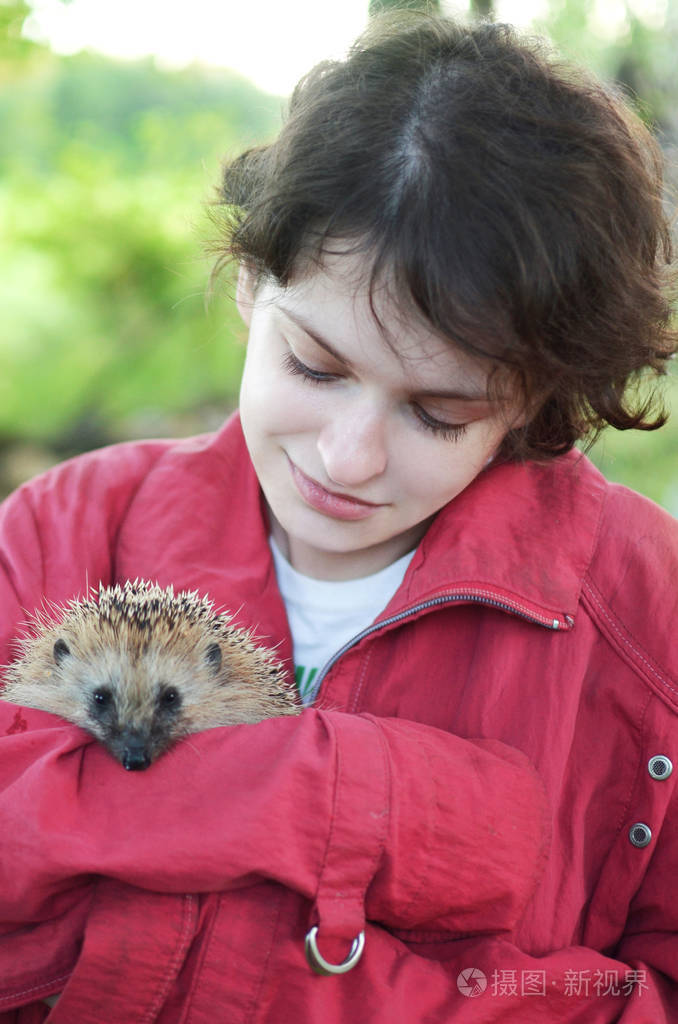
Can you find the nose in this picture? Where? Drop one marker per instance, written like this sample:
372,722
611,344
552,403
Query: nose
135,760
135,756
353,445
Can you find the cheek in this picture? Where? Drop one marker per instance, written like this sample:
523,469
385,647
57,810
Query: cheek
255,382
102,730
437,471
275,402
258,404
430,481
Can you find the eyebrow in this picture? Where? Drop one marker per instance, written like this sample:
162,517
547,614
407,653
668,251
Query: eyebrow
454,394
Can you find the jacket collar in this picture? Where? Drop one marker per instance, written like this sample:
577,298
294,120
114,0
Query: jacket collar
520,535
524,533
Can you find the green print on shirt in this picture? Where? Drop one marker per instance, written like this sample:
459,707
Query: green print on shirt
304,677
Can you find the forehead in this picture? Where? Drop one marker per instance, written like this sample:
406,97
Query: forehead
337,302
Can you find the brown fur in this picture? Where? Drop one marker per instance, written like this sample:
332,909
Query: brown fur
139,667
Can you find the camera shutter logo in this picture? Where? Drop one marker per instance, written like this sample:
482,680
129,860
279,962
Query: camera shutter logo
471,982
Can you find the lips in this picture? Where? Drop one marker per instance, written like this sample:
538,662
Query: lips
338,506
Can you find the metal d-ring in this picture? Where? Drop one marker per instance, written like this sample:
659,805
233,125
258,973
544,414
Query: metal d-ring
322,966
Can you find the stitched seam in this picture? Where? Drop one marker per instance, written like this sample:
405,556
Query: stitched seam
387,817
414,900
188,1014
361,890
175,961
333,815
617,629
36,988
641,729
602,509
255,1001
361,681
624,639
380,844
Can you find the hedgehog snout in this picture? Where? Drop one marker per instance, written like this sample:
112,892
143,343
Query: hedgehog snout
135,750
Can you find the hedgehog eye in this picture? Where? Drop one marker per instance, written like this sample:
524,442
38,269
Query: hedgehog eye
102,697
213,657
60,651
169,698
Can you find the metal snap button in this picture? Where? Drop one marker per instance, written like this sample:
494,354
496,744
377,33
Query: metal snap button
322,966
660,767
640,834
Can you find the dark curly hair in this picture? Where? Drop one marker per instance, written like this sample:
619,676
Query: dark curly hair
511,199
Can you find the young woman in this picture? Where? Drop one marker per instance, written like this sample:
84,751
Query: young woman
454,264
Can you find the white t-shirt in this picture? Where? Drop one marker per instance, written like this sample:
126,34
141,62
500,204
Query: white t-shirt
325,614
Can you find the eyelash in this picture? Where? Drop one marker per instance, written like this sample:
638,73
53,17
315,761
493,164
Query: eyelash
445,431
294,365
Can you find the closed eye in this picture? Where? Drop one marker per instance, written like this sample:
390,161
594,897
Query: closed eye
446,431
295,366
441,429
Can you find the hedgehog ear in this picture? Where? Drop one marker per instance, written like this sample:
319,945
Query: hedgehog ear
213,657
61,651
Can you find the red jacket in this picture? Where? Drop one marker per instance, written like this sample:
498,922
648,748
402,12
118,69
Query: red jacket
463,790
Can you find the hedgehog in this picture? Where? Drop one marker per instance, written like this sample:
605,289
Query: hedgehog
139,667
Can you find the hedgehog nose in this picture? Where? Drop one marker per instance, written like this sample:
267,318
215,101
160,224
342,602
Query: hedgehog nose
135,756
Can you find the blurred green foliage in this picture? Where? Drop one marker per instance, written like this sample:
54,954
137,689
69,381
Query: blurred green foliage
106,169
379,6
102,291
106,173
647,461
637,51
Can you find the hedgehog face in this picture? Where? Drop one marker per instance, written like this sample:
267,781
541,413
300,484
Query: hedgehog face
136,741
141,667
127,700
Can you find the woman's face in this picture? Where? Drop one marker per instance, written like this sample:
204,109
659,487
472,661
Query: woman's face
356,443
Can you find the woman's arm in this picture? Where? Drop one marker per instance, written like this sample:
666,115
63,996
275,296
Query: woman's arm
385,819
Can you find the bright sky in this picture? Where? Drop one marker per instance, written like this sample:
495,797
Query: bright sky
272,42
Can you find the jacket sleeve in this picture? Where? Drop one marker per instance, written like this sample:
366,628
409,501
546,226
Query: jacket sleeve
634,983
383,819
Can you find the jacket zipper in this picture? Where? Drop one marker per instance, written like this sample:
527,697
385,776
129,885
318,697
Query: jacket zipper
555,624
